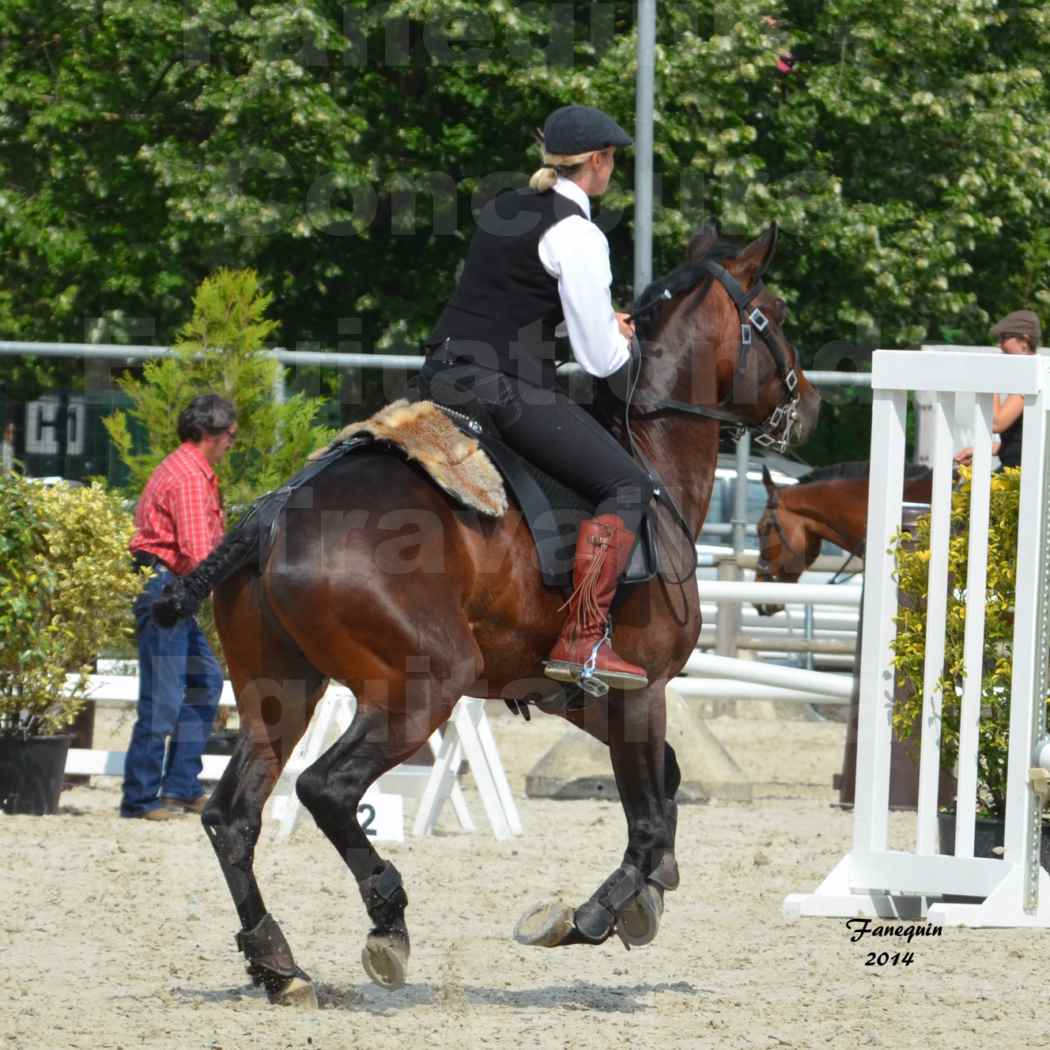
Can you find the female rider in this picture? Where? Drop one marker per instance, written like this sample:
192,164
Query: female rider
536,260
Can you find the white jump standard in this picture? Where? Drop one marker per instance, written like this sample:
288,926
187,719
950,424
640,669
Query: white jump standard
873,880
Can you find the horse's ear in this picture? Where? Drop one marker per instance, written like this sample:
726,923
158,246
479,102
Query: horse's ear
704,240
754,260
767,480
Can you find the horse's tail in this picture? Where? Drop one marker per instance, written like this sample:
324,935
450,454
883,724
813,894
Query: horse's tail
184,594
249,541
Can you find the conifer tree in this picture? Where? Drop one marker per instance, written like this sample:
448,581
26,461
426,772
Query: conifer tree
221,350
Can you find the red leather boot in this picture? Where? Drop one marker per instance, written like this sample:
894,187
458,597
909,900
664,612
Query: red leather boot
602,549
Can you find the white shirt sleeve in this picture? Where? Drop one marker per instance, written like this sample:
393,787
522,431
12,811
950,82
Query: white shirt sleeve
576,253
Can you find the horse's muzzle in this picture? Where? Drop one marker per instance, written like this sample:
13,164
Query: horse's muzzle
807,412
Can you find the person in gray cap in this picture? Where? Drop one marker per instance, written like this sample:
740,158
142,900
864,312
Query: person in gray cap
1019,332
537,262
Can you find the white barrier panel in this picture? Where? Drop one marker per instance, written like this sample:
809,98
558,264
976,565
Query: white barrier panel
872,880
382,808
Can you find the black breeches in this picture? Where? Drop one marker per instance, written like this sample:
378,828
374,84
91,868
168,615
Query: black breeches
552,431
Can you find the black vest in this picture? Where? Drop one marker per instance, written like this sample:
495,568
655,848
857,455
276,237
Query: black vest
506,306
1010,443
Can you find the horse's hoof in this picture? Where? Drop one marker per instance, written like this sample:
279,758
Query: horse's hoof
385,960
544,925
297,992
638,924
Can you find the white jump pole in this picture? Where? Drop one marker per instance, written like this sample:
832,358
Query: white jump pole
707,664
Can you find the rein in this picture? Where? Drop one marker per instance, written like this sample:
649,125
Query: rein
773,432
660,494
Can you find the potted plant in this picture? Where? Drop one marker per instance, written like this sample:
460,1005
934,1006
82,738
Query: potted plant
66,589
912,556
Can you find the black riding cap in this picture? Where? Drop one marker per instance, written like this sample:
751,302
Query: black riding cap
581,129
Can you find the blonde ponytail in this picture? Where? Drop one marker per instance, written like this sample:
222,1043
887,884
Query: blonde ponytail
543,178
555,164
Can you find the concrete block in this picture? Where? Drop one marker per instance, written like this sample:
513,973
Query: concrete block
579,767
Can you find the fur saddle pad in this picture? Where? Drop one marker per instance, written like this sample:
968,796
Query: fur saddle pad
426,436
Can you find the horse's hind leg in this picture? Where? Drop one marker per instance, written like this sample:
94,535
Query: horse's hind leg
334,785
277,690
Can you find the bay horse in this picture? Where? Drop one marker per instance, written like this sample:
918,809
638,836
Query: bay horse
829,503
380,581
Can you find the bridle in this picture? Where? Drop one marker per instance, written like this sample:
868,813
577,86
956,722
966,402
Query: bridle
774,431
763,567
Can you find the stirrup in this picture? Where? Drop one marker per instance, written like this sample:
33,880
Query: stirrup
592,685
585,675
588,679
575,674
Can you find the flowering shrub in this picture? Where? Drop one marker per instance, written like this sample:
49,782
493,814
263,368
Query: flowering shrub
66,589
912,555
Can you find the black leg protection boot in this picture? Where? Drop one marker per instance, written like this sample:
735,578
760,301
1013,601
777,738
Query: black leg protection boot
270,962
596,919
386,951
385,899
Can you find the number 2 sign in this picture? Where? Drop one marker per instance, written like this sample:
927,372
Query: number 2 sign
382,816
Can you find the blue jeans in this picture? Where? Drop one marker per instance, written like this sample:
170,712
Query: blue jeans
180,683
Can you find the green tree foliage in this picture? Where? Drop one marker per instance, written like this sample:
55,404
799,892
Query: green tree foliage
341,150
912,559
66,589
219,350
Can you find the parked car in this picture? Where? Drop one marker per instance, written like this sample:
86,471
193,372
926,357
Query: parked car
715,544
718,527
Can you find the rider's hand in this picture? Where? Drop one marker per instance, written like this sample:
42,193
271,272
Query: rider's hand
626,326
964,456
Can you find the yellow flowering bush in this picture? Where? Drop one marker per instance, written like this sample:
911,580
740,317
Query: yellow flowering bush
912,554
66,589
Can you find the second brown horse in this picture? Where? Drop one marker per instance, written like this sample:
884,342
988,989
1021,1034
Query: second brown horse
830,503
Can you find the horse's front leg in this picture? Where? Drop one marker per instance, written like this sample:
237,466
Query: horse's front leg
630,901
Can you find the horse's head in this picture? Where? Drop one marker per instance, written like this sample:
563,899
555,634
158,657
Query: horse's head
720,344
786,548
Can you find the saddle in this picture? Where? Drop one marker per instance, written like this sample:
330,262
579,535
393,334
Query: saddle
462,452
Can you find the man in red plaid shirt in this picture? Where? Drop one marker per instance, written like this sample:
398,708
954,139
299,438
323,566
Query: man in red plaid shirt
179,521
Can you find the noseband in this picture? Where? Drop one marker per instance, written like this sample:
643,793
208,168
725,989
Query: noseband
774,431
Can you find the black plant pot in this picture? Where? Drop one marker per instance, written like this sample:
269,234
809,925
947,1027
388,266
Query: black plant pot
988,838
31,773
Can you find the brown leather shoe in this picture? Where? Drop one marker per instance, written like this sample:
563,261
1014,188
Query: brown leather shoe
182,805
160,813
602,549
